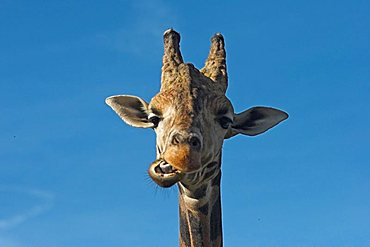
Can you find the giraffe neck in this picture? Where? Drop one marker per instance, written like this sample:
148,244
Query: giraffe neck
200,214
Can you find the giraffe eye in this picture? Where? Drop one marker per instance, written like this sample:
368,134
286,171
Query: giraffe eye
225,122
154,119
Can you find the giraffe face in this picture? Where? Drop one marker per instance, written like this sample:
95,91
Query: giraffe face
190,126
191,115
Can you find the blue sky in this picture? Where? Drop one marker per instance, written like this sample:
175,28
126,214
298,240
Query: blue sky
72,174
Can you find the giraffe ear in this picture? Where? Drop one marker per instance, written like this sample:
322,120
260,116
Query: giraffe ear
131,109
255,121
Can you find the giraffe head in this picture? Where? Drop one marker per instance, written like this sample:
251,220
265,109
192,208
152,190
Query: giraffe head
191,115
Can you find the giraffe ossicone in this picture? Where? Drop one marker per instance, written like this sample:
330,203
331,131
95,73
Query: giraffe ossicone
191,117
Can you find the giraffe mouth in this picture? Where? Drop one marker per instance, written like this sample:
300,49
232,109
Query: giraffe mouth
164,174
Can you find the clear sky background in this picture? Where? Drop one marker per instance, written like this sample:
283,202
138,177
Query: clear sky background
73,174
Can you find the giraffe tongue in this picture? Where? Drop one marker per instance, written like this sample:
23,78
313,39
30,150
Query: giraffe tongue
163,173
165,168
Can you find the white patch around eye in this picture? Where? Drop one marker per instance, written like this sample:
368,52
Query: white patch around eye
152,115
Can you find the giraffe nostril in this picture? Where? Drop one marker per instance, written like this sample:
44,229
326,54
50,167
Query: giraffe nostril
194,142
176,139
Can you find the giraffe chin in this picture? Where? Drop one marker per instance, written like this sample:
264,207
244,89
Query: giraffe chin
164,174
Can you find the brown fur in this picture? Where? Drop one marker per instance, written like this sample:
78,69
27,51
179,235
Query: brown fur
183,158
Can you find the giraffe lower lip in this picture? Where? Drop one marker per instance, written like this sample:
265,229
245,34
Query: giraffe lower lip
163,173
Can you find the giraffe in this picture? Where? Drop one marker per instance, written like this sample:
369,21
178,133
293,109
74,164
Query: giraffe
191,117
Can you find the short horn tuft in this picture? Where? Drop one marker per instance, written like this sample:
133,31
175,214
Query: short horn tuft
172,56
215,66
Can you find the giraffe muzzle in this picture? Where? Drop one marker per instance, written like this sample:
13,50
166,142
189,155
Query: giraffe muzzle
164,174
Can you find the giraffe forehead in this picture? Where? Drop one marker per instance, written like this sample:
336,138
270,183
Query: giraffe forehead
190,103
189,92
